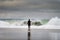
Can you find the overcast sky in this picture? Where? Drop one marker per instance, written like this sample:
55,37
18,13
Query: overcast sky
31,8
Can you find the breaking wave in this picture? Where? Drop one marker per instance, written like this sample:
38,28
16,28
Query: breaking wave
54,23
19,23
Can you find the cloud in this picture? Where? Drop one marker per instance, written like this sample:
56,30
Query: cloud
24,8
9,3
29,4
18,15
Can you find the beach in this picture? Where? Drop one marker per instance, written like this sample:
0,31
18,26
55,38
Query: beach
22,34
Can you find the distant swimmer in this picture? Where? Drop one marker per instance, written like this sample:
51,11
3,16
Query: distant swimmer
29,23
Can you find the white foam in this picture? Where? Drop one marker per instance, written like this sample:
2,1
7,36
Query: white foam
54,23
3,23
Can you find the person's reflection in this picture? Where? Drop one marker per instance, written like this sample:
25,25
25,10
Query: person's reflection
29,34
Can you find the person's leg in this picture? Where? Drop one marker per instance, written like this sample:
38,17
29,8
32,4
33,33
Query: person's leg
28,28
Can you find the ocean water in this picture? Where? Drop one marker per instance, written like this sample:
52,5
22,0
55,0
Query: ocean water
23,22
53,23
13,30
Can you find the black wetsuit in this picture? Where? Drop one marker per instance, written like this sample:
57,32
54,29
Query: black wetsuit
29,23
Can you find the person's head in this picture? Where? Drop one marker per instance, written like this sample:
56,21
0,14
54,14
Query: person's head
29,19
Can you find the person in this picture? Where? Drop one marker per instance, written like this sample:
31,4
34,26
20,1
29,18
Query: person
29,23
29,34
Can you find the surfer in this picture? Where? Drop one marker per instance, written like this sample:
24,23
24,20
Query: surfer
29,24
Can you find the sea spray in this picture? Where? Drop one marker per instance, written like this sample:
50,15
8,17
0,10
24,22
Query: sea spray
3,23
54,21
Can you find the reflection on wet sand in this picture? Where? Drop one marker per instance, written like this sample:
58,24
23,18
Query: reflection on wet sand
33,34
29,35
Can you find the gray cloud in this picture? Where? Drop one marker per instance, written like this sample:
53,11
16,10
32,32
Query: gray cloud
25,8
18,15
46,4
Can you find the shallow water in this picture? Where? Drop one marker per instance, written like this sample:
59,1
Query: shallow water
35,34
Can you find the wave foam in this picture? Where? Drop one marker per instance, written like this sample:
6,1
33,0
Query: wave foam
54,23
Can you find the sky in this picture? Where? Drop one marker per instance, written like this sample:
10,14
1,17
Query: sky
29,8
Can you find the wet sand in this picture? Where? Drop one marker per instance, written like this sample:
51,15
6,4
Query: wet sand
35,34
